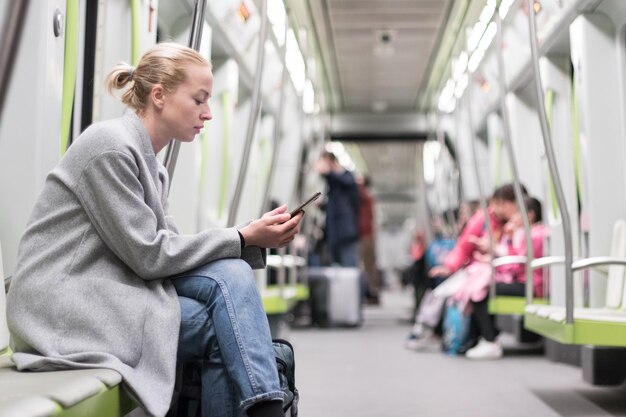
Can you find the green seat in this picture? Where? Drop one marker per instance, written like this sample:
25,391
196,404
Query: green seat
599,327
512,305
504,304
276,301
591,326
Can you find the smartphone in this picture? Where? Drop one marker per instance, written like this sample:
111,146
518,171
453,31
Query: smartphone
306,203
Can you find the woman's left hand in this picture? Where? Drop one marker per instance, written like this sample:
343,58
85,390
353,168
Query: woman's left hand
275,229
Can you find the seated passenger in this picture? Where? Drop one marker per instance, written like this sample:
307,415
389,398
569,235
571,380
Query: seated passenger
105,280
427,324
511,279
463,256
501,208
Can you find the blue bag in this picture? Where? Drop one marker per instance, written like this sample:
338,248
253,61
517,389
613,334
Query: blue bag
456,327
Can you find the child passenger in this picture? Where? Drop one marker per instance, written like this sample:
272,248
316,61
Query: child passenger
118,286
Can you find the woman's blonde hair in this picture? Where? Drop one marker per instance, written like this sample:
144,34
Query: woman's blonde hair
164,63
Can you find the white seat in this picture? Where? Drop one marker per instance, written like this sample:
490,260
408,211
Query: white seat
615,298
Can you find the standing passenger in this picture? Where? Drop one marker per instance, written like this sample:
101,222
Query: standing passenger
342,211
117,286
367,240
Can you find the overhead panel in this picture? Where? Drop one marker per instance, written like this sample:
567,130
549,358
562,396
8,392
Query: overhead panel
381,50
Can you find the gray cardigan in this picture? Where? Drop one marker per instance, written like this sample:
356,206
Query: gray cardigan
90,288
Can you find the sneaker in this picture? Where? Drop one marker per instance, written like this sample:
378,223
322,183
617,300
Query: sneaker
485,350
426,339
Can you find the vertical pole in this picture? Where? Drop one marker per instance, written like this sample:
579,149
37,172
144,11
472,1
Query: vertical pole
9,43
508,144
278,127
195,36
255,109
481,193
554,170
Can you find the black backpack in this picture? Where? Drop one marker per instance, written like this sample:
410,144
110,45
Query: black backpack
188,388
286,364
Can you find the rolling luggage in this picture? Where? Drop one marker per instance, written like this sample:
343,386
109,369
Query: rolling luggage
336,296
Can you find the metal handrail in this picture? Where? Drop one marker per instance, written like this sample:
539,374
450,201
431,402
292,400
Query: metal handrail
255,108
508,144
577,265
597,261
509,260
9,44
547,261
278,126
442,143
195,37
554,170
481,194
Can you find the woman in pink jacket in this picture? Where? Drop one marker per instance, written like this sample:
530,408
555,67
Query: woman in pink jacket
501,207
511,279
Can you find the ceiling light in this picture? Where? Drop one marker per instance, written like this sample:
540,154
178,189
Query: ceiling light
505,6
475,34
485,42
460,65
474,61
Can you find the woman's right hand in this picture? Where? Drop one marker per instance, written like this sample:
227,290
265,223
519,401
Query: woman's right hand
274,230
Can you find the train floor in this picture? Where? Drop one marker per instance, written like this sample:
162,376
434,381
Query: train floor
366,372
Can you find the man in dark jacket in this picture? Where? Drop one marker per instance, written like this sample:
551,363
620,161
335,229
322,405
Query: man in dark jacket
342,211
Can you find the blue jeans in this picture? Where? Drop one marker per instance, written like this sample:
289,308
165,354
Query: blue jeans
345,254
224,325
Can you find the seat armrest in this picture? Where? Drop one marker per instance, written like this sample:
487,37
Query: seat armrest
597,261
508,260
547,261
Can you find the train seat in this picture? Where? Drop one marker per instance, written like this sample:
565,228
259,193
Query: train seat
604,326
282,298
86,392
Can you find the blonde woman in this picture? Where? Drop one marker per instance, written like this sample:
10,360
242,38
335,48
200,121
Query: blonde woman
104,278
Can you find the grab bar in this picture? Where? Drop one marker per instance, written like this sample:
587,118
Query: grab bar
554,170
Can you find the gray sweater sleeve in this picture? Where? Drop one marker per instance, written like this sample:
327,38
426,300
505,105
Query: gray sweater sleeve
112,195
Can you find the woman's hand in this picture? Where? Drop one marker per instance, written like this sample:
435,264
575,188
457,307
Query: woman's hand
274,229
481,243
439,271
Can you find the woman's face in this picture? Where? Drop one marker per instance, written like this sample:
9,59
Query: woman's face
503,210
187,108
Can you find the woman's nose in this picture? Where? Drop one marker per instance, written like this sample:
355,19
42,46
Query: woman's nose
207,115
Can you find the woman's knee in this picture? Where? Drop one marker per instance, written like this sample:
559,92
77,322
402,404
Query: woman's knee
231,275
235,275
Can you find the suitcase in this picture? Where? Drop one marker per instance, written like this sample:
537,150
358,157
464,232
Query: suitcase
336,296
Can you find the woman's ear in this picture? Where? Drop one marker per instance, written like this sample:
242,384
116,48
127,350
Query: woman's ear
157,95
